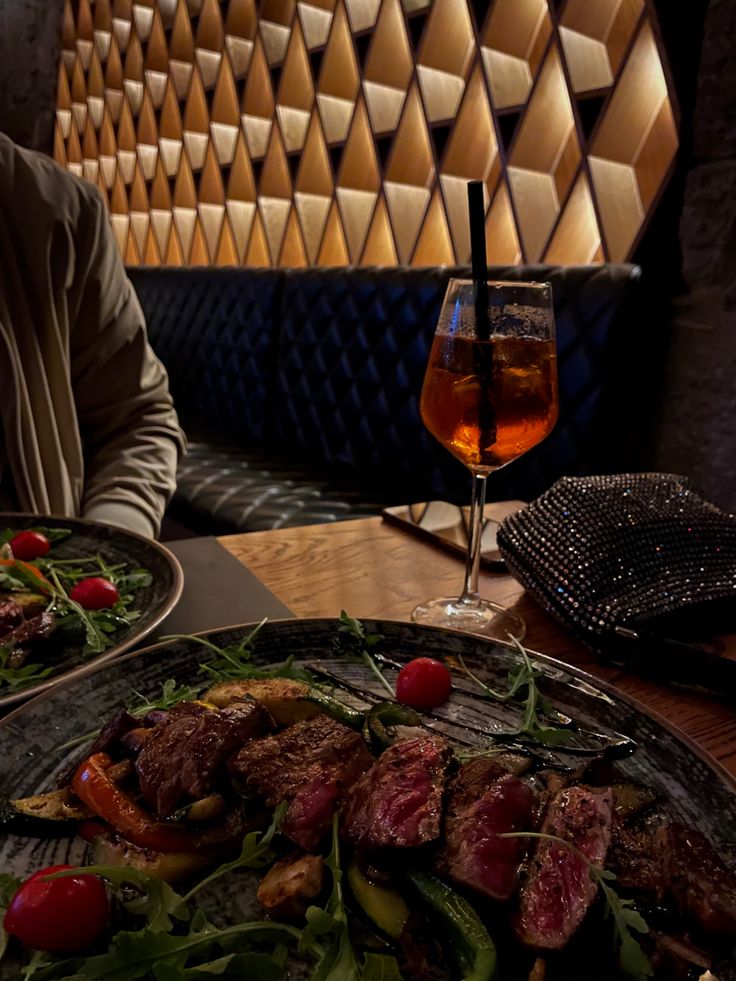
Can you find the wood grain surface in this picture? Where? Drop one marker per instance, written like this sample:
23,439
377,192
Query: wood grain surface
372,569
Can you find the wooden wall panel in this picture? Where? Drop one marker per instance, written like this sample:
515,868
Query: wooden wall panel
314,132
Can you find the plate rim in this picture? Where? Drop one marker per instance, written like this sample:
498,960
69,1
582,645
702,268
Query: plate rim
728,778
27,695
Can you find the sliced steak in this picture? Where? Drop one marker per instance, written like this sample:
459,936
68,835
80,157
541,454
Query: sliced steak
10,616
312,765
474,855
698,878
30,631
187,750
559,890
398,802
109,738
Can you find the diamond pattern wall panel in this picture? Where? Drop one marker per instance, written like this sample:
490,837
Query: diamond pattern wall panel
334,132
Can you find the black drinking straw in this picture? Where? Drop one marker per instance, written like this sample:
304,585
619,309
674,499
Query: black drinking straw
477,216
484,352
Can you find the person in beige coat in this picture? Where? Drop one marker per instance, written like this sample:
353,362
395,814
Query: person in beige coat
88,425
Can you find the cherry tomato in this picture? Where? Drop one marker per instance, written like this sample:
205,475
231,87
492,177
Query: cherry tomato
61,914
423,683
95,593
29,545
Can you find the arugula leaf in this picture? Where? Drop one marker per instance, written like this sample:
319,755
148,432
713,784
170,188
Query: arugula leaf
349,625
339,961
632,959
233,662
364,641
15,679
17,578
9,885
260,966
136,954
171,695
38,961
153,898
95,639
523,681
155,948
254,854
70,571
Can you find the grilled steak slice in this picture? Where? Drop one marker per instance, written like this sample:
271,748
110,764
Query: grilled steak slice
187,750
559,890
10,616
474,855
475,777
398,803
312,765
109,738
29,631
698,878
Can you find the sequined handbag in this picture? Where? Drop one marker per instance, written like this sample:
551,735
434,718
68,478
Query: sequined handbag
637,566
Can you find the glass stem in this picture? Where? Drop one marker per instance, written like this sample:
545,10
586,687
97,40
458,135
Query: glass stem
470,596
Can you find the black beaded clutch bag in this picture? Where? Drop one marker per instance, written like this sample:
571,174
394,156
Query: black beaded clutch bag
628,562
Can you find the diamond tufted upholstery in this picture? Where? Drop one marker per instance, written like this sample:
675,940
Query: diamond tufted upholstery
299,389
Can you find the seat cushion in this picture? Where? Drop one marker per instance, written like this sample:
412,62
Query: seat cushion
215,332
225,488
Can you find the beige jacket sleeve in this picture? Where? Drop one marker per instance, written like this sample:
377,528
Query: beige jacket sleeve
130,436
87,421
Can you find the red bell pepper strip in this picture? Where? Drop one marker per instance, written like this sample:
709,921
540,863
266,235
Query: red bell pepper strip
101,794
89,830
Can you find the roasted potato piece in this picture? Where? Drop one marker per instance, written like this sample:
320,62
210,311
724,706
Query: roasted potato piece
284,698
538,971
290,885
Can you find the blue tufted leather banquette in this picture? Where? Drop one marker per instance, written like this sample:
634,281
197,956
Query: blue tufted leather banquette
299,389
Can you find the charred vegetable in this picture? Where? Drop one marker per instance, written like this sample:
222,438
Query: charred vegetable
290,885
471,944
386,907
172,867
52,815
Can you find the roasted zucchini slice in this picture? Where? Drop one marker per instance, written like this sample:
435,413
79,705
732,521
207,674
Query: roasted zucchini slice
287,700
172,867
386,907
52,815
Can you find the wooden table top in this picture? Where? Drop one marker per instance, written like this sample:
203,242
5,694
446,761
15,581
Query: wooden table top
372,569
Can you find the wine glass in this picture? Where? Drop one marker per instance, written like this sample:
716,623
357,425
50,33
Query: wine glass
489,395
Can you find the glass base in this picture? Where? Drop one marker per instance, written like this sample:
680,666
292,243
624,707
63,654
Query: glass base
480,617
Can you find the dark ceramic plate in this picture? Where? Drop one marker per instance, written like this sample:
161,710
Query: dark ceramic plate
692,786
114,545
